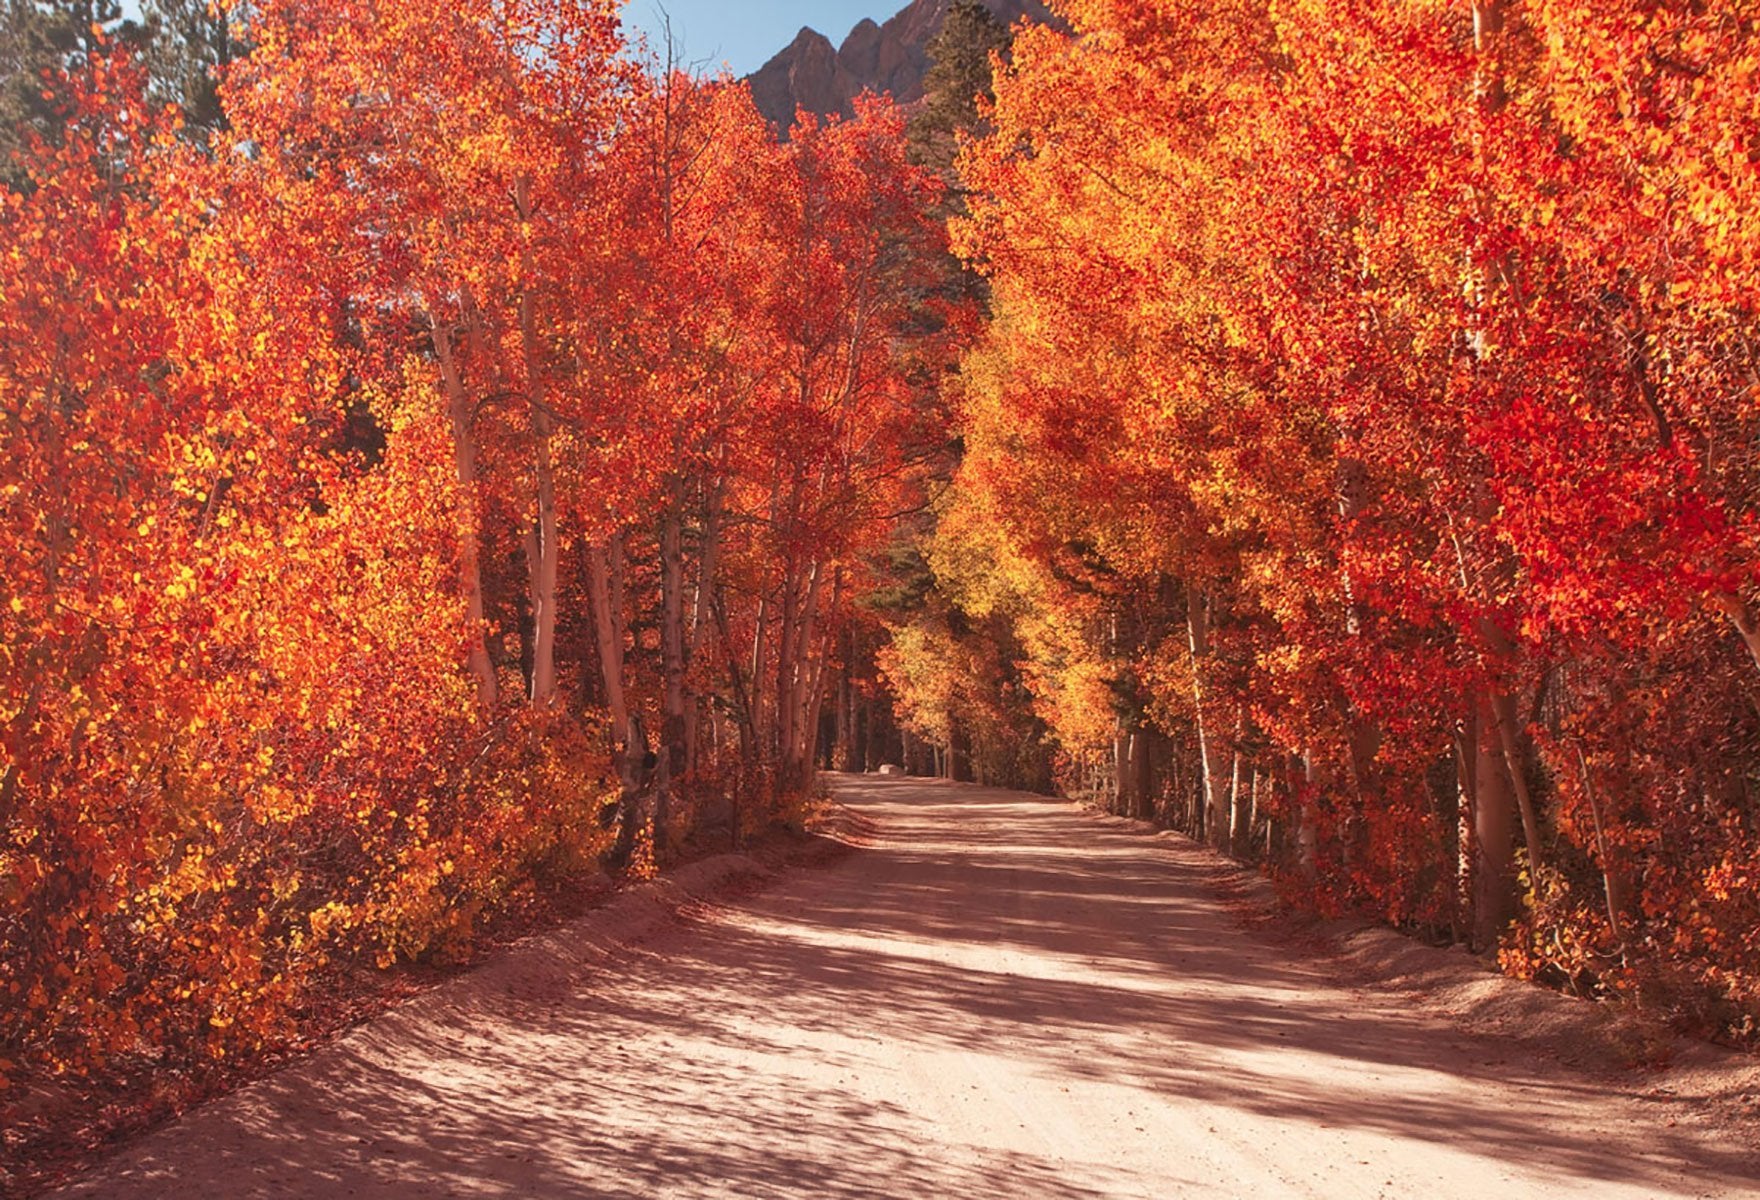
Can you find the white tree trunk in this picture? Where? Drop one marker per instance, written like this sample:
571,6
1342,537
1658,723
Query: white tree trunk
464,453
605,591
1215,786
544,568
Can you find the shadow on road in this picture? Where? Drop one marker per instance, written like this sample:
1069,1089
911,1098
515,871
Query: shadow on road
737,1056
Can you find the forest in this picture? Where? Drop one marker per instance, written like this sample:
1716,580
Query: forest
446,452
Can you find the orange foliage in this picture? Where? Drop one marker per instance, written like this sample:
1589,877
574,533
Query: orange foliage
1365,401
302,442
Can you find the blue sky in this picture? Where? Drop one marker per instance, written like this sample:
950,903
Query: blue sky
745,33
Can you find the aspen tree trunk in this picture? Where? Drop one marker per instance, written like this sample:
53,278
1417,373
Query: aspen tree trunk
743,698
464,453
605,587
1494,822
543,596
1503,707
1215,792
707,561
1238,819
1121,773
672,756
1466,758
1307,825
1147,792
864,736
1129,751
1488,45
810,675
843,755
679,712
1271,830
671,751
959,751
758,689
805,680
544,568
820,671
544,572
1363,735
1742,617
783,683
1496,771
794,677
1624,874
1246,840
605,591
1616,887
805,695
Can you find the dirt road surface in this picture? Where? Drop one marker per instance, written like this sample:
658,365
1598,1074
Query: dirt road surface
1000,997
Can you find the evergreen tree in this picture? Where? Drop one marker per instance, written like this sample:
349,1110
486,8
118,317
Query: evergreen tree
959,73
192,43
40,39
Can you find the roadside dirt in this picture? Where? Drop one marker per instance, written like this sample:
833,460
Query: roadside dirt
996,995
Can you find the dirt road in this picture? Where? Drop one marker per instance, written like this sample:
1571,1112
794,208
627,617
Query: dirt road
1002,997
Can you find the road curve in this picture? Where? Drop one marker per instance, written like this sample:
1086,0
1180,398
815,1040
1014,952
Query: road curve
1001,997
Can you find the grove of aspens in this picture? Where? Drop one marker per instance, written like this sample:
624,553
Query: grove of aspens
448,452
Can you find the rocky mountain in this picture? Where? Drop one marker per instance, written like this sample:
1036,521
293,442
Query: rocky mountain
810,73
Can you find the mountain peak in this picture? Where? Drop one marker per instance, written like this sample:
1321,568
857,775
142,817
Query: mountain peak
891,57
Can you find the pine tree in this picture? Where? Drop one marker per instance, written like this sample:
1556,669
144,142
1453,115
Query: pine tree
39,41
959,74
191,42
